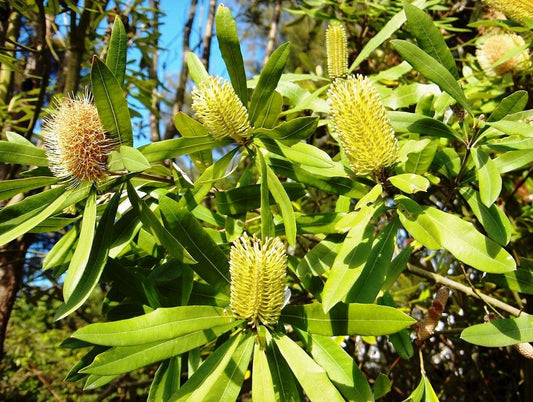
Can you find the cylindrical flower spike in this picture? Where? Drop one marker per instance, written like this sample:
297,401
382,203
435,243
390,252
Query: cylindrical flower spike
220,110
497,46
515,9
75,141
258,271
336,50
363,128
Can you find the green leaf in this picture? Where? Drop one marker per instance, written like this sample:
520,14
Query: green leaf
128,158
22,154
268,117
268,80
301,153
148,218
228,41
284,204
9,188
351,259
220,377
169,149
292,131
267,225
418,224
405,122
432,70
493,219
96,262
160,325
79,260
500,333
340,367
409,183
382,386
346,319
285,385
62,250
212,264
400,340
96,381
197,69
429,38
417,155
319,260
262,384
123,359
310,375
513,160
188,127
490,181
116,54
166,380
520,280
514,103
111,103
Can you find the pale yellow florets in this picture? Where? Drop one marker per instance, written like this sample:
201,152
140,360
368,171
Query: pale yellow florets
220,110
258,273
515,9
494,47
75,141
364,130
336,50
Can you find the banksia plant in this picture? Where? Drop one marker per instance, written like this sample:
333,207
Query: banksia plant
364,130
497,46
336,50
75,141
220,110
515,9
258,271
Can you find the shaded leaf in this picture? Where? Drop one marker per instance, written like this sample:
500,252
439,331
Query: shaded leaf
498,333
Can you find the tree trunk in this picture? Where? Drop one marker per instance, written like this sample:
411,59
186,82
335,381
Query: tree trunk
6,73
208,36
272,33
184,75
155,135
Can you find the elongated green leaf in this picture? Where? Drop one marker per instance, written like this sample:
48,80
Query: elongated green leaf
382,386
513,160
168,149
301,153
400,340
8,188
11,152
292,131
284,204
420,226
220,377
493,219
96,381
96,262
340,367
268,117
499,333
520,280
62,250
267,225
116,54
310,375
111,103
212,263
514,103
188,127
320,259
122,359
166,380
20,218
268,80
386,32
432,70
262,384
82,253
513,128
490,181
148,218
285,385
351,258
125,229
346,319
418,155
409,183
405,122
197,69
128,158
429,37
159,325
228,41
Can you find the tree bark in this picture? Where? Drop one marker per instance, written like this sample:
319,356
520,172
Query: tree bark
273,31
6,73
184,75
208,36
155,135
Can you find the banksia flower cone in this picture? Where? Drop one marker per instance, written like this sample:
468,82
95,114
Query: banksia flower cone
363,128
75,141
258,273
497,46
515,9
220,110
336,50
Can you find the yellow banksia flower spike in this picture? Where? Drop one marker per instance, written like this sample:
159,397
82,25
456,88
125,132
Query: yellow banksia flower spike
363,128
220,110
75,141
336,50
258,271
515,9
494,47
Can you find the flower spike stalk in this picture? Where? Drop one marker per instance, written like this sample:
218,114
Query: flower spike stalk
336,50
258,271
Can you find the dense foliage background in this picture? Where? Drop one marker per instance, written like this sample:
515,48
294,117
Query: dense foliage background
455,212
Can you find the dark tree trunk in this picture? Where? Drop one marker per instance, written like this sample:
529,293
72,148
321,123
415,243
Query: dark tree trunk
155,135
208,36
273,32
